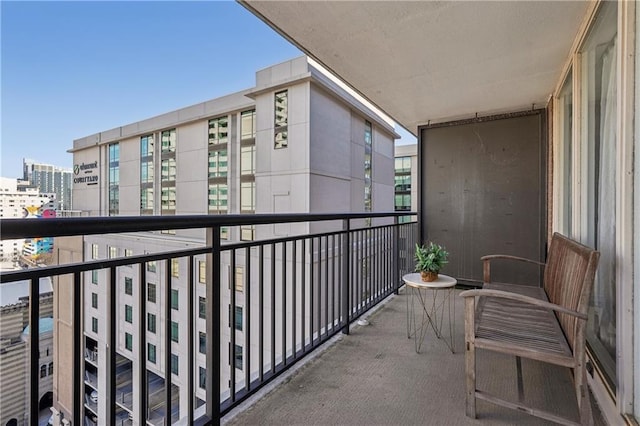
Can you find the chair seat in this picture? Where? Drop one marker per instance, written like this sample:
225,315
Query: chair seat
514,327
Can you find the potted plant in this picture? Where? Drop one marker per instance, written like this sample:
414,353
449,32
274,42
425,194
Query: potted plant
430,259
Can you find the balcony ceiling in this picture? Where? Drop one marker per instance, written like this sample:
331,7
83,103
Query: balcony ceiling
423,61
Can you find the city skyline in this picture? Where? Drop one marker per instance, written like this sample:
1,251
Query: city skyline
159,56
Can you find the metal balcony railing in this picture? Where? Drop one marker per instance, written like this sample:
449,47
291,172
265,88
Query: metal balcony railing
297,292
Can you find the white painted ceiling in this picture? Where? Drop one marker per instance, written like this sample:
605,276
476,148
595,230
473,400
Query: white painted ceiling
422,61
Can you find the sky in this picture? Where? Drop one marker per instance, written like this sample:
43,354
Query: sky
72,69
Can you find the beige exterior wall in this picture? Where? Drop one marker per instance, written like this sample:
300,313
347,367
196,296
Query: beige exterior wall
66,250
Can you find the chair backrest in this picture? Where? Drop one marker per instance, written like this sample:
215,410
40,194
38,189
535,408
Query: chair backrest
568,280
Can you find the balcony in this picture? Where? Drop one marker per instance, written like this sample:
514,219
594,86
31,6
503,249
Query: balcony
298,293
374,376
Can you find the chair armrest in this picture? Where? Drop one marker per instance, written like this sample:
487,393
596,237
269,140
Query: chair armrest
525,299
486,263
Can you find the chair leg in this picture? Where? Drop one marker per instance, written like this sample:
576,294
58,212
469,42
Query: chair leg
582,393
470,356
519,379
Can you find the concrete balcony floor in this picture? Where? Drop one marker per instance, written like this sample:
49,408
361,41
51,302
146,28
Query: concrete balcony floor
374,376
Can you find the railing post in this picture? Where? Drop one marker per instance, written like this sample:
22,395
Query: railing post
213,326
143,399
34,348
396,254
190,339
112,294
346,273
78,349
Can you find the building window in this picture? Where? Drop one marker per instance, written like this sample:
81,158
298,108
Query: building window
175,268
94,300
128,286
368,168
151,352
239,318
113,252
247,206
168,173
50,368
218,130
128,252
281,119
203,343
238,357
218,198
247,197
203,378
114,179
94,324
43,371
402,165
218,164
202,272
151,266
168,198
402,187
174,299
151,292
174,332
402,183
403,202
248,125
202,307
168,168
146,147
128,313
151,322
128,341
94,251
94,276
146,174
239,277
174,364
146,200
168,140
248,160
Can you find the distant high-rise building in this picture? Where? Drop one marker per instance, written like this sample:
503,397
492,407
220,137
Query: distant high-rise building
50,179
18,200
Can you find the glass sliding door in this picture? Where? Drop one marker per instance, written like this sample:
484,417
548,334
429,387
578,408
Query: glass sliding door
565,160
598,147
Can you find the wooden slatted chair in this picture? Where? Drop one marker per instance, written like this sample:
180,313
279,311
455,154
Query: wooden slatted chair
542,323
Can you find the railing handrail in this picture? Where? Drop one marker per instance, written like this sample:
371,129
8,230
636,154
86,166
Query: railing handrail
71,226
85,266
